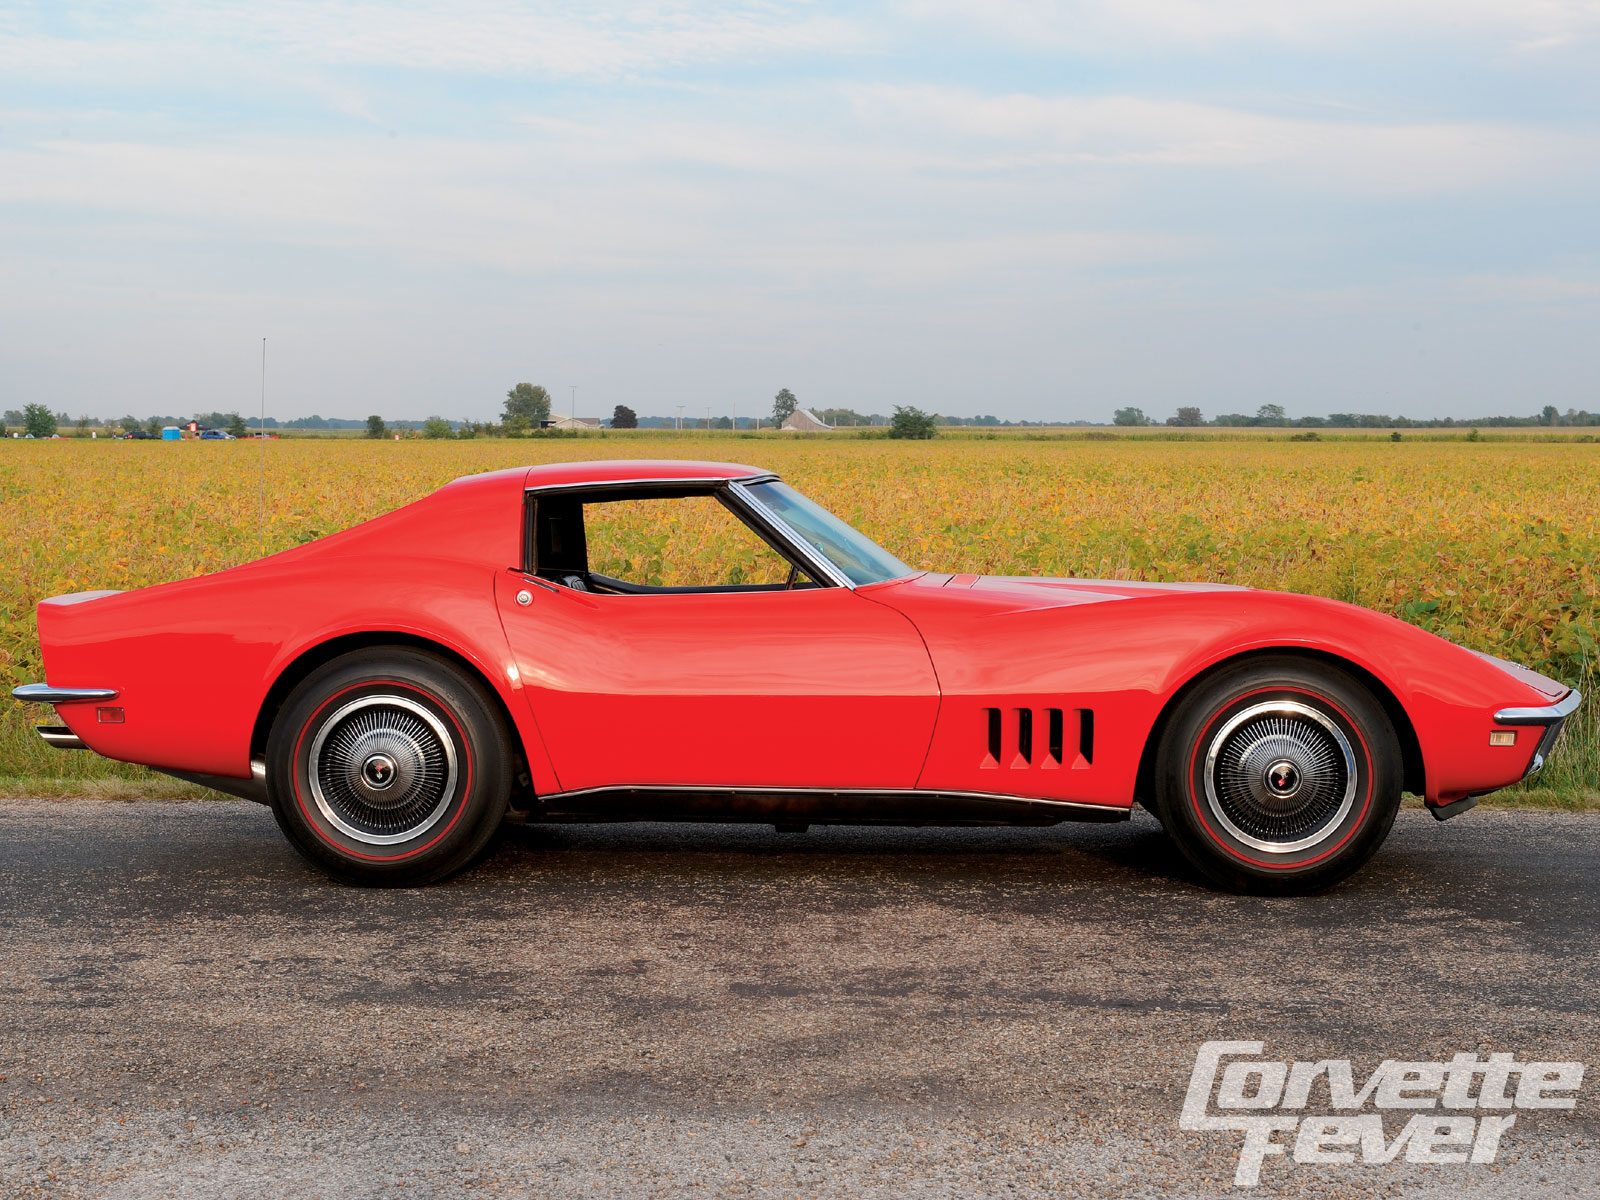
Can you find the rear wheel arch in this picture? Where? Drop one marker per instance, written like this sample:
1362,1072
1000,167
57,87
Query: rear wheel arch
1410,747
316,656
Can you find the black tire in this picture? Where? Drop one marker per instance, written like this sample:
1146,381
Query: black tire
389,767
1278,776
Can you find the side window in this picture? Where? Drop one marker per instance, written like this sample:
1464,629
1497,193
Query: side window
689,541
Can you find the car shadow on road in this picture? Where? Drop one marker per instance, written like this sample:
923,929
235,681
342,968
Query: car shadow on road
1134,851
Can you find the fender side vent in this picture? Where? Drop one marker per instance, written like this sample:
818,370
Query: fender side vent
1017,741
992,759
1024,719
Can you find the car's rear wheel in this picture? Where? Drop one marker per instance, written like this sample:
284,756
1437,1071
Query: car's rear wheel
389,766
1278,775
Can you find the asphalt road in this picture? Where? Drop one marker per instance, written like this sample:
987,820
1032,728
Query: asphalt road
188,1011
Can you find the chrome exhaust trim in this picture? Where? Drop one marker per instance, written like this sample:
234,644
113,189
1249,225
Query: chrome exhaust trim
60,737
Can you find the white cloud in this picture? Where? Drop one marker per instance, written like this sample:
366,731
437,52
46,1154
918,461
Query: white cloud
1011,132
472,37
1531,289
1138,27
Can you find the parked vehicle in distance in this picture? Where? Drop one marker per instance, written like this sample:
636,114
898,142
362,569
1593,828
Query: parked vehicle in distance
215,435
698,641
136,435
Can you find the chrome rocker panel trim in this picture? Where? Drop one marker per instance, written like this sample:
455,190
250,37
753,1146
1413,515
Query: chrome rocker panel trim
807,805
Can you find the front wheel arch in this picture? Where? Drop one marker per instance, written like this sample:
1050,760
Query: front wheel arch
1405,732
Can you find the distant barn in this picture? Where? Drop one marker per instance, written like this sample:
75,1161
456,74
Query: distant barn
804,421
561,421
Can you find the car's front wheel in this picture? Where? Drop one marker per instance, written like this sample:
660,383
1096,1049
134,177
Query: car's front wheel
1278,775
389,766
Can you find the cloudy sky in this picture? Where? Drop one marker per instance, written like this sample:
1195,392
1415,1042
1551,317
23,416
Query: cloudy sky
1031,209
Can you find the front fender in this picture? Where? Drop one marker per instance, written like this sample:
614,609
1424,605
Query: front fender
1123,659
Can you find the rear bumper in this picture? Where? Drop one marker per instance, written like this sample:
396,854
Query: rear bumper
43,693
59,736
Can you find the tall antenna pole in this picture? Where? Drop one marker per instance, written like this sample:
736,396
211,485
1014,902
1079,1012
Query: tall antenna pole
261,436
574,405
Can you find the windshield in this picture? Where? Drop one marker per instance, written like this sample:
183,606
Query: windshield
859,558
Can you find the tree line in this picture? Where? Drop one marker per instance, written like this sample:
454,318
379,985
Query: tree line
528,409
1274,416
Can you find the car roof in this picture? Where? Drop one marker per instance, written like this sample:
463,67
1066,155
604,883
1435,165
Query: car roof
636,470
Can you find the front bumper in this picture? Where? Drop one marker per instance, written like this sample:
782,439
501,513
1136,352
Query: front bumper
1552,716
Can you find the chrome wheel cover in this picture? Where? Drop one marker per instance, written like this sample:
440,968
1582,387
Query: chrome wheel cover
382,769
1280,776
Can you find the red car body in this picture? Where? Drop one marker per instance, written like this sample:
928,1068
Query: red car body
916,686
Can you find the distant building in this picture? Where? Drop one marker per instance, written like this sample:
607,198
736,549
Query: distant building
561,421
804,421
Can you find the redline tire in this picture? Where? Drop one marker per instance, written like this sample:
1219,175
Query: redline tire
389,766
1278,775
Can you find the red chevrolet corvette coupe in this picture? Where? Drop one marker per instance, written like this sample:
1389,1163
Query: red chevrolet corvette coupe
688,640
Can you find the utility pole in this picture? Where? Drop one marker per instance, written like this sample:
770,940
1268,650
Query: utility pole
261,436
680,417
708,418
574,405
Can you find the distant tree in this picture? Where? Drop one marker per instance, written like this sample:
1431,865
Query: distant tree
1551,415
1187,415
783,406
722,423
1271,414
436,427
529,401
516,425
129,423
36,419
623,417
13,417
236,425
1129,416
911,422
83,425
153,426
63,419
375,427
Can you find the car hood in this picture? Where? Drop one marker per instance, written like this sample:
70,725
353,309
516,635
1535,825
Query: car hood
1248,617
1035,591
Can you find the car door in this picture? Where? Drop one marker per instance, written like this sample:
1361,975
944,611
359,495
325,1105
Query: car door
815,689
802,687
